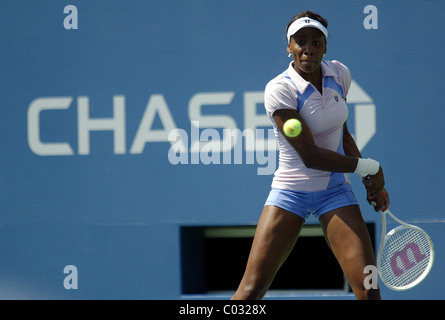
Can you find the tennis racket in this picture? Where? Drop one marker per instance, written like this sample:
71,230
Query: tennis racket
405,256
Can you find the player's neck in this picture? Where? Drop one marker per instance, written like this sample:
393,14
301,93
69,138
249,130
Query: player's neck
314,77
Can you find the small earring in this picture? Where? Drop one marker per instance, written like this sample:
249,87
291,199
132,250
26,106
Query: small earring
289,55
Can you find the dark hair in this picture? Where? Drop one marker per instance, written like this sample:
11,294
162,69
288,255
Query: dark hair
311,15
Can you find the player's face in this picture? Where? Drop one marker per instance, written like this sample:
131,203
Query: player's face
307,46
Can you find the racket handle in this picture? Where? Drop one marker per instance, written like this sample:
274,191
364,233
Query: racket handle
374,204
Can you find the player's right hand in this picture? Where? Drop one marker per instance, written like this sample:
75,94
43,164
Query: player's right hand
380,200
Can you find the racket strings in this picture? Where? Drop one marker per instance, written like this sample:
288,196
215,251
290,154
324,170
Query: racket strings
405,257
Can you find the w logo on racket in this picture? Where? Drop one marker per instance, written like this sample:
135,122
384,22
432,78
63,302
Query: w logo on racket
404,257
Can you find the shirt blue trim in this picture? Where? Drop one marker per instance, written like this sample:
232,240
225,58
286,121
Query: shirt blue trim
286,75
329,82
337,178
303,97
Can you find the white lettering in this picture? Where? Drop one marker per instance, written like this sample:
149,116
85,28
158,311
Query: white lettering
34,142
188,309
365,115
210,153
71,280
145,133
70,21
179,138
211,138
371,280
115,124
371,20
211,99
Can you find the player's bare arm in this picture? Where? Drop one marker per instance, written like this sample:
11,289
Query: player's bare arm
313,156
375,194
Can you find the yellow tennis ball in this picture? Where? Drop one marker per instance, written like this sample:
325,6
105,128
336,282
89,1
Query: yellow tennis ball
292,128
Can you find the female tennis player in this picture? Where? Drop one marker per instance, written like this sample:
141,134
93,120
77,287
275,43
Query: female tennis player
312,177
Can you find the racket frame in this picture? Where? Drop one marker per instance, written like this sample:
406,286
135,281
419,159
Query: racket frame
386,236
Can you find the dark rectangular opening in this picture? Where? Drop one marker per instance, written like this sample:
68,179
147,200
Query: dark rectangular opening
214,259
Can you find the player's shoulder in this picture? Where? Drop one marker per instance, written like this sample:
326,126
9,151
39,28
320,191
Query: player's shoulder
337,67
279,84
279,94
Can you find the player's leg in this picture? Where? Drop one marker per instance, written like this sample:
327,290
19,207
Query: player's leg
275,236
349,240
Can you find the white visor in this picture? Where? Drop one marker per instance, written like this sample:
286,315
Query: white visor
305,22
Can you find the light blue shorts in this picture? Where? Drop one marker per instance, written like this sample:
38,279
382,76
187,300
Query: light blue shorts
316,203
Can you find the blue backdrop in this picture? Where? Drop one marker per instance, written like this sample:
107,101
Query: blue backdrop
86,112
